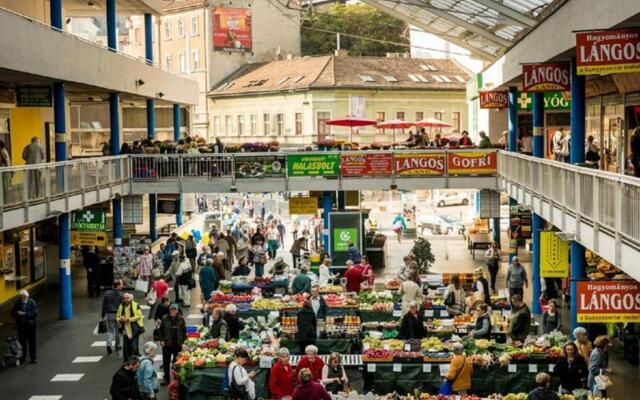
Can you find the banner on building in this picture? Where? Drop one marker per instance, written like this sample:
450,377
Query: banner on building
251,166
89,220
608,301
552,101
608,52
494,99
554,255
232,29
365,164
471,162
344,226
34,96
168,206
519,223
303,205
79,238
313,165
419,163
546,76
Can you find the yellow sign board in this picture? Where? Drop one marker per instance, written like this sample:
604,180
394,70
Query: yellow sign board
79,238
554,255
303,205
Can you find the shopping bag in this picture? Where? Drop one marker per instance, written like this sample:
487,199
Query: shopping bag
142,285
152,297
445,388
101,327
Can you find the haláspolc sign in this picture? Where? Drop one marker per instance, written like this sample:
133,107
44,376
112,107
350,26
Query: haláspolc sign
608,52
546,77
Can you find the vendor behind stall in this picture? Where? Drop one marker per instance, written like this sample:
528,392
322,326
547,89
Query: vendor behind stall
302,282
482,329
520,319
412,326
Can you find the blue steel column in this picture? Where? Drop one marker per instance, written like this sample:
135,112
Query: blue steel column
327,205
513,146
176,137
112,38
496,230
116,204
341,199
537,221
576,156
148,38
151,123
64,231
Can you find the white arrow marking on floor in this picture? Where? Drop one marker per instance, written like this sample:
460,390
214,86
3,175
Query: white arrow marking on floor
52,397
99,344
67,378
194,316
89,359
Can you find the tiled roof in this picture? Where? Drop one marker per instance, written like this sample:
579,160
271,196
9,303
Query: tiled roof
345,72
175,5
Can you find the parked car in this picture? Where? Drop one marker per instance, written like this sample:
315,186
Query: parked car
440,225
452,198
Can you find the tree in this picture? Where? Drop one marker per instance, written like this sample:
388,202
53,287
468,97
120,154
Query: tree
423,255
358,19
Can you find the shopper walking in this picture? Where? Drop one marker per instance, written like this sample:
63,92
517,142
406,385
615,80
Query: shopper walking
110,303
124,384
207,280
571,369
145,265
32,154
492,257
241,382
542,391
173,332
184,278
25,312
282,378
599,364
191,251
281,232
307,325
399,224
454,297
516,278
410,292
91,263
146,374
132,325
299,245
158,291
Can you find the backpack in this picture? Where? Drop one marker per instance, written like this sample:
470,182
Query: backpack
12,351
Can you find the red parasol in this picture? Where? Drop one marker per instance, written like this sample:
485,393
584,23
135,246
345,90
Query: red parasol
432,123
395,124
351,122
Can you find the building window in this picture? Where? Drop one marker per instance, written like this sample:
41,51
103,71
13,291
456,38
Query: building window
167,30
280,124
195,64
240,125
167,62
195,25
266,124
455,121
298,123
322,118
181,27
228,125
216,125
253,124
137,32
438,115
380,117
183,62
419,115
400,115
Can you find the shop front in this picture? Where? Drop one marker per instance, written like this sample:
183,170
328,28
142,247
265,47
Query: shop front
22,261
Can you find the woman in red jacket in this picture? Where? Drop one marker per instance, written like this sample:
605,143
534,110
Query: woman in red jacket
312,362
309,389
282,379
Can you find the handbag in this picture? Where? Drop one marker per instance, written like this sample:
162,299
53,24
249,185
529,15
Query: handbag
447,386
152,297
101,327
237,392
450,299
142,285
156,335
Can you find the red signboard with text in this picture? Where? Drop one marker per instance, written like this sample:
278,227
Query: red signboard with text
546,77
608,301
471,162
494,99
232,29
419,163
608,52
363,164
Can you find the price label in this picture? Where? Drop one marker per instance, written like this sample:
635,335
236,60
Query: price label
552,367
462,330
512,368
506,313
407,347
533,368
426,368
397,313
266,362
444,313
365,346
274,314
371,368
444,369
428,313
386,347
397,367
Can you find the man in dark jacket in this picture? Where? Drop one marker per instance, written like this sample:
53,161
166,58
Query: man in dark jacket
173,332
110,303
520,319
307,329
91,262
412,325
124,385
234,323
25,311
317,303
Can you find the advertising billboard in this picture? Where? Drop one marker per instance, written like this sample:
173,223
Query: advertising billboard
471,162
608,52
554,255
313,164
363,164
419,163
546,77
494,99
608,301
232,29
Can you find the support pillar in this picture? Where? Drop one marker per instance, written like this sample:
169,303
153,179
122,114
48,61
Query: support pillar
496,230
112,37
176,138
513,119
537,222
153,205
576,156
64,231
148,38
55,9
116,204
513,242
341,200
327,205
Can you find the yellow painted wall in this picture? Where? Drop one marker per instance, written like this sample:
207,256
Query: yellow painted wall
26,122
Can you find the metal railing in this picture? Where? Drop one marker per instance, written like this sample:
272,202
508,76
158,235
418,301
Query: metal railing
605,199
28,184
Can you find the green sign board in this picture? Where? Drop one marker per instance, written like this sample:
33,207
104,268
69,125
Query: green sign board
34,96
89,220
552,101
342,237
313,164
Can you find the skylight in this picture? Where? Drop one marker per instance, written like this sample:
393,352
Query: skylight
366,78
414,78
428,67
437,78
283,80
445,78
422,78
460,79
390,78
298,79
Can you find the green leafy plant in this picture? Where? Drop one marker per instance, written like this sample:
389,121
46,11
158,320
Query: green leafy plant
423,255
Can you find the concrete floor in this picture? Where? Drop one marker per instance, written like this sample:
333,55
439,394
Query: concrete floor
60,342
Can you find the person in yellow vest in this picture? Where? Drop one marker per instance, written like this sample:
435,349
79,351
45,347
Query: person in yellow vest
131,321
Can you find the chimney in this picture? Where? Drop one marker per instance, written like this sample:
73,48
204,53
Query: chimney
342,53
